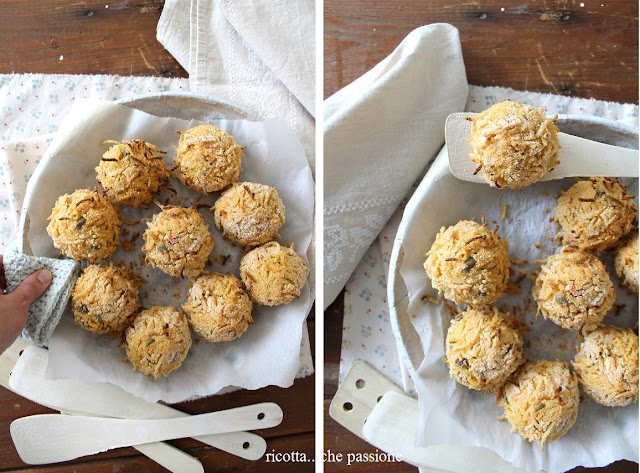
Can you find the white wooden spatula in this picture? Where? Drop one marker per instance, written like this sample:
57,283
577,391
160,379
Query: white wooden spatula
104,399
578,156
52,438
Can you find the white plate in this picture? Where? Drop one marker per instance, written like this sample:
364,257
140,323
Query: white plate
408,337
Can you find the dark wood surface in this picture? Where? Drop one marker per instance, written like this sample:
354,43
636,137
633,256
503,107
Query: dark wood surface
549,46
541,45
121,39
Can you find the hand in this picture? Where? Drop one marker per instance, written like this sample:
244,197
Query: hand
14,306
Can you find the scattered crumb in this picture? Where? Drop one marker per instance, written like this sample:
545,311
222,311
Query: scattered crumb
516,262
128,246
536,244
433,300
512,288
452,310
503,212
546,211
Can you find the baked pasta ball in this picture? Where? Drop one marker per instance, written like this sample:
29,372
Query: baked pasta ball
273,274
468,263
607,365
208,159
626,263
131,172
84,225
158,341
105,298
218,309
177,241
595,213
514,145
573,290
541,401
249,213
483,348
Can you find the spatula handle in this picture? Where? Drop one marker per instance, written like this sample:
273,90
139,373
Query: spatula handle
51,438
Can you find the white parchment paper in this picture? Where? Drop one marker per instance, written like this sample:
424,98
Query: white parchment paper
601,434
269,351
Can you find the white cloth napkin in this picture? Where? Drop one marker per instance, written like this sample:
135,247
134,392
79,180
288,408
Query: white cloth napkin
259,54
380,133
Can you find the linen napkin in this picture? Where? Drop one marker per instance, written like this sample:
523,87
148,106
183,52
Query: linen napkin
380,133
259,54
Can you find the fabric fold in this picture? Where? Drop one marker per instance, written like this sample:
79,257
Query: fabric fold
380,133
266,66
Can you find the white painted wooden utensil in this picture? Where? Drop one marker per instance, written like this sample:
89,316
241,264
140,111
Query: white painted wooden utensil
173,459
578,156
104,399
52,438
375,409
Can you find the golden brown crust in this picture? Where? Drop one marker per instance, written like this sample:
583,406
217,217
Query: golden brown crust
131,172
541,401
595,213
607,366
468,263
208,159
105,298
249,213
626,263
84,225
158,341
273,274
218,309
573,290
483,348
177,241
514,145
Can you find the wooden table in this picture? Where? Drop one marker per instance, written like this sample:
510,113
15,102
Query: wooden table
121,39
587,49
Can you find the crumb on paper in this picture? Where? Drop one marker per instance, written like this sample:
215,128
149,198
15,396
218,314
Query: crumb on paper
546,211
517,262
503,212
536,244
433,300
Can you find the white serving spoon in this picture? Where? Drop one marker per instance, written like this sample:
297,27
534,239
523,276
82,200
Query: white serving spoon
578,156
52,438
104,399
